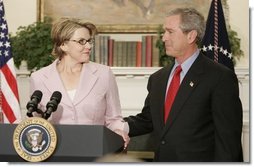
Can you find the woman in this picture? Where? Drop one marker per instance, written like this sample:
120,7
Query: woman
89,90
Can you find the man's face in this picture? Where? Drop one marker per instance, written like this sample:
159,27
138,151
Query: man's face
175,40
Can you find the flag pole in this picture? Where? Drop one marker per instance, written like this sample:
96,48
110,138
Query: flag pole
216,55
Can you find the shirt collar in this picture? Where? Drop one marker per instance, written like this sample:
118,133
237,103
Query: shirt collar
187,63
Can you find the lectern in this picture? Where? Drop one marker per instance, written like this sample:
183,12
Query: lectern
75,143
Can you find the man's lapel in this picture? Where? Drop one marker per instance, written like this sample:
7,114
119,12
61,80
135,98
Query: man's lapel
188,85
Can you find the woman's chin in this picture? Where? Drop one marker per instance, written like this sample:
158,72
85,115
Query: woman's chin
85,60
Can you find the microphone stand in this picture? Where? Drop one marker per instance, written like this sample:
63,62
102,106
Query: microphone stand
30,114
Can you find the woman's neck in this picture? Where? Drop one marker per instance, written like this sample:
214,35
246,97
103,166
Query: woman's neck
69,66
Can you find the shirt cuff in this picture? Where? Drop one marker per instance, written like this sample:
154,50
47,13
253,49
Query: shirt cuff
126,127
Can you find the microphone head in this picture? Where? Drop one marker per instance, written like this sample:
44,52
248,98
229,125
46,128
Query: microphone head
33,103
53,103
37,95
57,96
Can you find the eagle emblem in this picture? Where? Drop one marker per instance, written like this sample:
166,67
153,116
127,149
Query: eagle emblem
34,138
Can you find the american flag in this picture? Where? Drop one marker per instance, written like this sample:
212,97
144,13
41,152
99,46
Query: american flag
215,43
9,97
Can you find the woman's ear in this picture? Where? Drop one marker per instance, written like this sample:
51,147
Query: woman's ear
192,36
64,47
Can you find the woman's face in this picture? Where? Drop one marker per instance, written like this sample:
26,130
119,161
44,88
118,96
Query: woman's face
78,48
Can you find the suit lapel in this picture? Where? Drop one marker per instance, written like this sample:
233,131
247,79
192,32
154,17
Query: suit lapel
188,85
52,76
87,82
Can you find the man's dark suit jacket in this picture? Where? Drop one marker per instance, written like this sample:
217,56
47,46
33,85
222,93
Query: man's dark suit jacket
205,123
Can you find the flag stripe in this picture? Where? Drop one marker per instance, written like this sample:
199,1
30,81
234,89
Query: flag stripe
11,80
7,110
10,99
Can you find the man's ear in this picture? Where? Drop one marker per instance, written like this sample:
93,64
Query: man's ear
192,36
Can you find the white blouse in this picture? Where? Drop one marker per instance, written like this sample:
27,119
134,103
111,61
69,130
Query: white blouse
72,93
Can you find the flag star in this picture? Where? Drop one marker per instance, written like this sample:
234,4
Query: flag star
6,53
225,52
204,48
3,26
210,47
2,35
221,49
1,44
230,55
7,44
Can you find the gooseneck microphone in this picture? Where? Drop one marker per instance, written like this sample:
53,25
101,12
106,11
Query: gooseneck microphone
52,104
33,103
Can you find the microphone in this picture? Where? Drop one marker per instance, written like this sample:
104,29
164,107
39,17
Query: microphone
33,103
52,104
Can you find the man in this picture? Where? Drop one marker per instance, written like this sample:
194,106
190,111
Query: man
204,122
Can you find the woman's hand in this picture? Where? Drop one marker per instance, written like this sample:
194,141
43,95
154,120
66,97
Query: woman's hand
125,137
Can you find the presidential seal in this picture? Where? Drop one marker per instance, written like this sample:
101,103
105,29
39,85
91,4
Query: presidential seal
34,139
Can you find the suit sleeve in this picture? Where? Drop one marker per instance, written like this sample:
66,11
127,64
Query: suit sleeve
227,114
113,115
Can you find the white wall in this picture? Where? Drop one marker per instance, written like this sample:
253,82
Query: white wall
239,22
20,13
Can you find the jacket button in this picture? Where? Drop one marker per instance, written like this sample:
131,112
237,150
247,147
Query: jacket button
163,142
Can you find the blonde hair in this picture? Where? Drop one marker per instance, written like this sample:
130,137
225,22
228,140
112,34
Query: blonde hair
63,29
